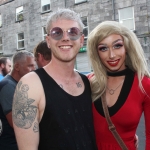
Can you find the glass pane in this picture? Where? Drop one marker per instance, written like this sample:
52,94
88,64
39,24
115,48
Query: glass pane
85,32
85,42
46,7
45,2
19,17
20,44
0,40
19,10
44,30
128,23
84,20
20,36
1,48
126,13
0,20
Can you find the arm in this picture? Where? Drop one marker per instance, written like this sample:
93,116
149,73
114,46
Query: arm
6,98
25,114
9,119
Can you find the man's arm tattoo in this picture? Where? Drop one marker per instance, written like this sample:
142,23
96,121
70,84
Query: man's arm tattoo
36,127
79,84
24,112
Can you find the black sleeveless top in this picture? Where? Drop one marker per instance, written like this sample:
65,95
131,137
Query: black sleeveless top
67,122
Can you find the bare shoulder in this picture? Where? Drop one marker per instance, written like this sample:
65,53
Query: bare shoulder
31,76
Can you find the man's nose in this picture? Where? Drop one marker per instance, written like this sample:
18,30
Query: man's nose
65,36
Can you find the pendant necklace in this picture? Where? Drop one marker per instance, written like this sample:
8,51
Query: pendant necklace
112,91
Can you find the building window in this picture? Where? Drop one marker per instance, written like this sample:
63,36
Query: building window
80,1
44,34
126,17
85,32
20,41
0,20
1,45
19,13
45,4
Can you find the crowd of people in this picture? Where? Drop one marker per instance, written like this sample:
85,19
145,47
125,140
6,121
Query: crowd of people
45,104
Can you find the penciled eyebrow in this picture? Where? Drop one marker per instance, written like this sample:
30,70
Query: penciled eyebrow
112,42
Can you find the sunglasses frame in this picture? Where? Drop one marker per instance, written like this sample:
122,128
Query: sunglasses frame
59,37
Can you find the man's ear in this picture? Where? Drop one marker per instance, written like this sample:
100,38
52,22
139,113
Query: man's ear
40,56
2,66
17,66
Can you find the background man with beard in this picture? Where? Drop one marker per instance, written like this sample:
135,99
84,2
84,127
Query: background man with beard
5,67
23,62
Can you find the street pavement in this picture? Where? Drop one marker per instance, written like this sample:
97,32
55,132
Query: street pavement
141,134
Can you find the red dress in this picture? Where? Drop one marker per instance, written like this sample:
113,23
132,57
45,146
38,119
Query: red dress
125,115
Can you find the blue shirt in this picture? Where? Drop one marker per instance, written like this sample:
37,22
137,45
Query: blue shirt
1,77
7,135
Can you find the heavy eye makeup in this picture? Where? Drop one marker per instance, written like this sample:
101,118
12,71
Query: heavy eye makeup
102,48
118,45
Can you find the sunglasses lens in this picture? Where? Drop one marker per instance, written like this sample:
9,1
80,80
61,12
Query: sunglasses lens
56,33
74,33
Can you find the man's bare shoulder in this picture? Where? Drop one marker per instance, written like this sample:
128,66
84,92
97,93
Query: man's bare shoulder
33,83
31,76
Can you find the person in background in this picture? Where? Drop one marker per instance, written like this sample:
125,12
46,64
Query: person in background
52,107
42,54
23,62
120,76
5,67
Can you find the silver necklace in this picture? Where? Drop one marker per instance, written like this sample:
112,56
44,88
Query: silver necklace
112,91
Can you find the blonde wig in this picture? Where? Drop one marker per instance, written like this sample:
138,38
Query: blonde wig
135,59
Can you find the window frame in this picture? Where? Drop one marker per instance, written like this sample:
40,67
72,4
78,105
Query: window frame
80,1
130,18
20,13
20,41
43,11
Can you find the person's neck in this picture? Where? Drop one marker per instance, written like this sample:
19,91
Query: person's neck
62,69
118,73
15,75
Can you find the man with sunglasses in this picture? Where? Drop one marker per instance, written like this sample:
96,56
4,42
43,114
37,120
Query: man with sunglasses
52,106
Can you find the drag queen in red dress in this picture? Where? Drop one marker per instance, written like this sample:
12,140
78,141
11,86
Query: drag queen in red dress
120,71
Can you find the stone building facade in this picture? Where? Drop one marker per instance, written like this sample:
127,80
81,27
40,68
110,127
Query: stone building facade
22,22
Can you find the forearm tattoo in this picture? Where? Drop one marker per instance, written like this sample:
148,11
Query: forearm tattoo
24,112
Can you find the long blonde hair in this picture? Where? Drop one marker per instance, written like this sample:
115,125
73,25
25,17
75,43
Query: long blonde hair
135,59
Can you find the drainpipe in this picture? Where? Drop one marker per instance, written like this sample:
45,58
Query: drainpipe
148,16
65,3
113,8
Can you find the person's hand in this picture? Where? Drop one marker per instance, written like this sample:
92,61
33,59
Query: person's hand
136,142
